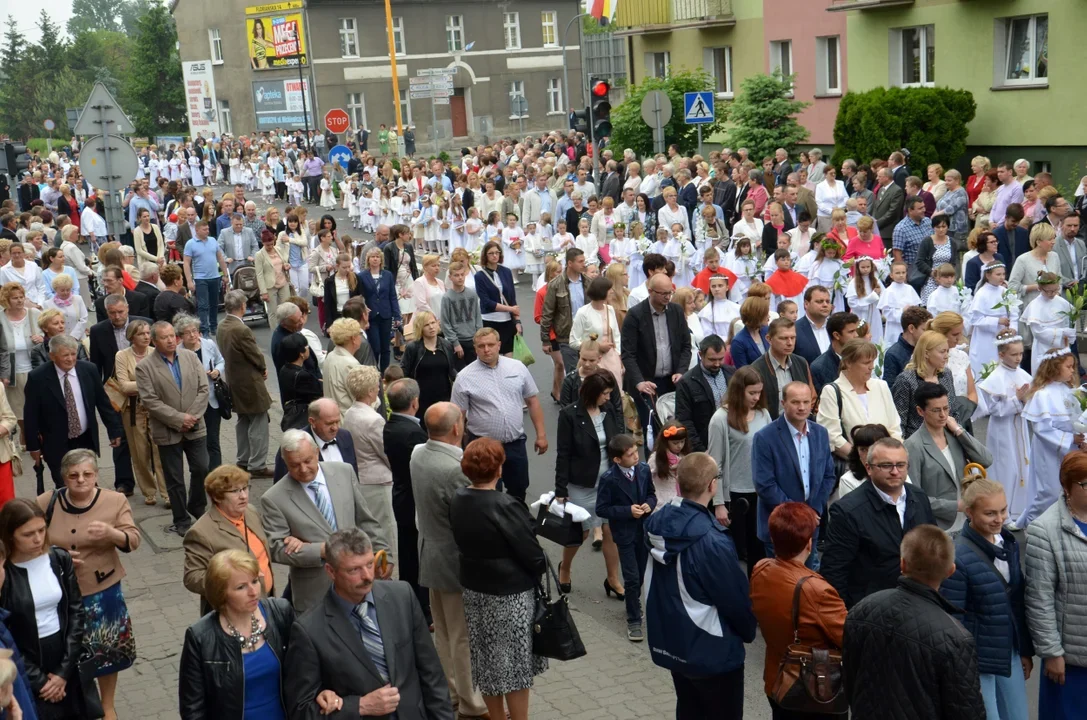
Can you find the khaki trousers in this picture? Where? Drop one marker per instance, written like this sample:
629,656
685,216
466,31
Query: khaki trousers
143,451
451,642
379,501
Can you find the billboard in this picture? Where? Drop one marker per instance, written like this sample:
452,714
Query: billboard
278,104
276,35
200,101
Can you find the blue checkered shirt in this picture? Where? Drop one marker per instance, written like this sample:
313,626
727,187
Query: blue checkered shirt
908,236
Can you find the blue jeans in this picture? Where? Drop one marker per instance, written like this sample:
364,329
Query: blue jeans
207,305
632,559
380,336
1005,697
813,559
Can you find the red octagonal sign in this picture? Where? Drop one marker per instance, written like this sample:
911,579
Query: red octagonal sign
337,121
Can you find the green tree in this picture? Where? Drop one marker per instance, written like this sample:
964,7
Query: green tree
630,131
131,12
155,91
763,116
14,46
930,122
95,15
16,113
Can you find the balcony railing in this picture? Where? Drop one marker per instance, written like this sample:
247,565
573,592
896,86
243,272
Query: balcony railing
847,5
641,16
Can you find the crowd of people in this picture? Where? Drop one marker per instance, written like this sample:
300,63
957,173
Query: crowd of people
768,382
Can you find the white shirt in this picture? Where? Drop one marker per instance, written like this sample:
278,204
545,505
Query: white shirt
328,454
1001,565
1072,254
317,485
73,380
900,504
637,295
45,589
821,336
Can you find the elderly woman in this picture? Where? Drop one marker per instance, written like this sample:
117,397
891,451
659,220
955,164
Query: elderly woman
272,263
70,305
75,259
430,361
45,613
230,523
757,192
232,660
123,393
829,195
954,203
856,398
51,323
928,364
19,325
814,616
53,262
979,168
501,562
1056,555
187,328
367,426
96,522
983,204
346,334
672,212
935,183
27,274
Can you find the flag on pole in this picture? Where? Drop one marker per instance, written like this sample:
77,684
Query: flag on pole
602,10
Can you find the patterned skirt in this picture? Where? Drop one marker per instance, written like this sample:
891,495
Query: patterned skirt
108,635
500,639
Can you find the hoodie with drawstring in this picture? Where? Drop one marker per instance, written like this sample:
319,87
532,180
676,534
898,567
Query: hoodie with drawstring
697,603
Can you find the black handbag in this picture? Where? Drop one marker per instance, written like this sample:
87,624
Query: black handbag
222,394
554,634
295,416
561,530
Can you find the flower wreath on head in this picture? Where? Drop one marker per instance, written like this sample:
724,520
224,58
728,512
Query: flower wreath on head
1042,281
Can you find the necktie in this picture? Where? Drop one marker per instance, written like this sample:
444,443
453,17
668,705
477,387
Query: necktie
371,638
73,410
324,504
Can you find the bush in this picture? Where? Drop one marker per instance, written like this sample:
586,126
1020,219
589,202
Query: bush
630,131
764,116
930,122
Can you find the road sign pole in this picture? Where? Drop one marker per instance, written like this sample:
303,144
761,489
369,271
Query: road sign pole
699,139
659,134
434,124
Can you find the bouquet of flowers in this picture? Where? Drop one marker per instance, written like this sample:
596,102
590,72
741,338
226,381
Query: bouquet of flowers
1077,298
1009,301
642,245
883,268
966,297
1079,404
842,275
988,368
474,257
877,367
749,266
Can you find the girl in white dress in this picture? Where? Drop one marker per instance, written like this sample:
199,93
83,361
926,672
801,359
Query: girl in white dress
945,296
366,208
1000,397
513,246
209,170
685,265
668,246
396,208
267,185
744,265
895,298
587,243
235,169
1051,329
535,253
545,230
637,255
295,190
473,232
562,241
1051,408
351,201
863,293
184,169
252,180
827,265
622,247
720,312
328,200
985,319
492,231
249,178
196,171
457,220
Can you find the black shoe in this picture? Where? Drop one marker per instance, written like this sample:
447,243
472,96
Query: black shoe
634,633
563,587
179,529
609,591
127,491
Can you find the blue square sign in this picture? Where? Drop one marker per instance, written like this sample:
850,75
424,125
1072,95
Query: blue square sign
698,108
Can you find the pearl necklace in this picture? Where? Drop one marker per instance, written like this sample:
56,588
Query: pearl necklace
256,634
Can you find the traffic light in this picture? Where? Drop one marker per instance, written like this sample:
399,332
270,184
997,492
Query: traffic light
579,122
14,160
600,109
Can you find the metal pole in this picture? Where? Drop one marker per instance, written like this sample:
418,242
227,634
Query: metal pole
302,89
658,129
434,124
102,121
699,139
392,66
566,70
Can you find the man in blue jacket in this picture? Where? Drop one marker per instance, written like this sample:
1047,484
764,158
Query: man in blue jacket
698,612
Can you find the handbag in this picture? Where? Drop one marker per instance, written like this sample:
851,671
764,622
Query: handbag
809,679
560,530
223,395
554,634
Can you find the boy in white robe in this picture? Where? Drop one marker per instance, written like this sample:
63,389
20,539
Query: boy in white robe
895,298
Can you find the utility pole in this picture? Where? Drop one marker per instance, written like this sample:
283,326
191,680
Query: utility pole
396,79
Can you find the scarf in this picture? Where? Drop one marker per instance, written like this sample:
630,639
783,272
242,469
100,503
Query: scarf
62,303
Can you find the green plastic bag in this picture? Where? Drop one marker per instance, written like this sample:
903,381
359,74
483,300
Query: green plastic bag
521,351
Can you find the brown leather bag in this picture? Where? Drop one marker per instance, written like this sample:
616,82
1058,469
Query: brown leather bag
809,679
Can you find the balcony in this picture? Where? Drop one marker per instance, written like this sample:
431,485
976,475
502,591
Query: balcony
847,5
635,17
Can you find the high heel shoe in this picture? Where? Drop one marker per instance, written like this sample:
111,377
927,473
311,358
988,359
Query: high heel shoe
563,587
609,591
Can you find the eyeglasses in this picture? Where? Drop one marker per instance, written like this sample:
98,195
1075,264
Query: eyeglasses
665,293
238,491
888,467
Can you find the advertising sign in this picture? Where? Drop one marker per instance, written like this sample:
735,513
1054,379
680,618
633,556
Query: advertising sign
200,98
278,39
278,104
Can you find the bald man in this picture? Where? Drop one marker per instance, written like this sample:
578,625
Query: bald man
334,444
435,478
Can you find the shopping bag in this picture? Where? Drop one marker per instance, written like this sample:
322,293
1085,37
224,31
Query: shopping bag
521,351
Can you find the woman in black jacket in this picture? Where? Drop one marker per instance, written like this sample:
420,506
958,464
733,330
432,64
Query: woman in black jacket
34,568
501,562
232,661
585,428
429,360
298,387
340,287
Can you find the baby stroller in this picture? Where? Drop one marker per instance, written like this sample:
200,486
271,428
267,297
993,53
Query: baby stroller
245,279
662,412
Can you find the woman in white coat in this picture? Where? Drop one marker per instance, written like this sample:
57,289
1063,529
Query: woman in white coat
596,320
856,398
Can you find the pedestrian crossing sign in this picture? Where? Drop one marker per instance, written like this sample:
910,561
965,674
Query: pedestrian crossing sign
698,108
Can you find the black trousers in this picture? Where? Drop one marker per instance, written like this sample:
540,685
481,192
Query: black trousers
215,452
123,478
744,530
173,469
469,355
716,697
407,538
778,714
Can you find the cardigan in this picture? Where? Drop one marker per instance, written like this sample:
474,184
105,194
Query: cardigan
879,410
488,293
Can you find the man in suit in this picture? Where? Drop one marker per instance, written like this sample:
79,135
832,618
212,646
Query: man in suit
791,461
174,390
724,195
367,642
780,365
688,193
28,192
186,225
238,243
540,199
435,478
401,434
247,374
656,344
362,137
782,168
1071,250
699,391
313,501
59,414
1012,238
928,466
334,444
812,336
866,527
613,184
113,284
804,197
791,207
887,209
842,328
148,285
896,163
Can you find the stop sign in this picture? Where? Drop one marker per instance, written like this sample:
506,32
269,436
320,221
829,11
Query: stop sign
336,120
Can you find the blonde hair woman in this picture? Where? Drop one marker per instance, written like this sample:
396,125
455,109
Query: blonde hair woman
928,364
347,336
69,305
428,289
952,326
935,183
430,361
686,298
862,399
21,333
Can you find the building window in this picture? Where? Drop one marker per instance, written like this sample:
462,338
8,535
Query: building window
216,45
454,33
226,126
512,25
398,36
1026,50
718,63
356,110
828,61
405,108
349,38
554,96
781,57
657,64
915,55
517,89
550,28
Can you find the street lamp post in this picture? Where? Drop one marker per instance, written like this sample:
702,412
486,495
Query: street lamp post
565,70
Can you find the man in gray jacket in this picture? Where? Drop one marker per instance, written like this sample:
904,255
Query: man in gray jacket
238,243
435,478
